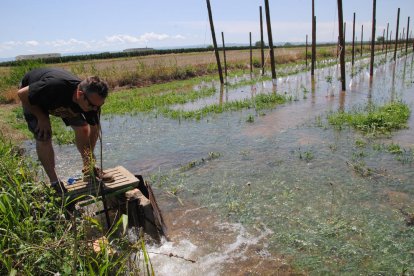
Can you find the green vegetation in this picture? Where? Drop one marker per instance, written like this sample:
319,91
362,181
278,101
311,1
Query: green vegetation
36,236
153,97
250,118
394,149
375,120
306,155
260,102
360,143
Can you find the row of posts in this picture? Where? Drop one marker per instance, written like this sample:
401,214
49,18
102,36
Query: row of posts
341,41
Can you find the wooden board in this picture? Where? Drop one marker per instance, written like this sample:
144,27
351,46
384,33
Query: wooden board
124,180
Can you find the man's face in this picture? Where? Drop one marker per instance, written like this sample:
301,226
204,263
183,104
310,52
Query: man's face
90,102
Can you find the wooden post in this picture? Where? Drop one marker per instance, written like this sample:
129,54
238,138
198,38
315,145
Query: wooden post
261,40
269,34
383,40
386,43
362,37
353,41
396,34
251,54
313,39
344,33
374,23
408,30
224,56
306,52
337,48
341,44
213,34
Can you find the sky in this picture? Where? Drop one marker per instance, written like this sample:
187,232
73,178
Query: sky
76,26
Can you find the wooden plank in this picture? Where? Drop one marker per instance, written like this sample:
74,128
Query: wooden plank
123,180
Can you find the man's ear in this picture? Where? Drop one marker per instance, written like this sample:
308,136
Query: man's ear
77,94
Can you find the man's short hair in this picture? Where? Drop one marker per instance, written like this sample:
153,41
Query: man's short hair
94,85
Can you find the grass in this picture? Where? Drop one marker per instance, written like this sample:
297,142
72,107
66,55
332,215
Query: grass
374,120
36,238
155,96
259,102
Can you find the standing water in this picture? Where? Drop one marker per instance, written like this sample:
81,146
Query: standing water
282,193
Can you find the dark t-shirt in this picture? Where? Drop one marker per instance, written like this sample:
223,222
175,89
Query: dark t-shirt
52,90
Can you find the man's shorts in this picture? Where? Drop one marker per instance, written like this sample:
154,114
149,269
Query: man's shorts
32,122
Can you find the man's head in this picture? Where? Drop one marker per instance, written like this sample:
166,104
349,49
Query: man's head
91,93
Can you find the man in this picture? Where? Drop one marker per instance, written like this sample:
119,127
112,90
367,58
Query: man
49,91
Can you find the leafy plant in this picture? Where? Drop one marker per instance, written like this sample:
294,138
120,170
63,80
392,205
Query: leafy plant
376,120
40,236
250,118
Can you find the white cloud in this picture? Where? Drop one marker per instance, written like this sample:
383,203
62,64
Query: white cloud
145,38
31,43
65,43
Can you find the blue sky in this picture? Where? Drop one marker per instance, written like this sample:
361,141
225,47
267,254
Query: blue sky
61,26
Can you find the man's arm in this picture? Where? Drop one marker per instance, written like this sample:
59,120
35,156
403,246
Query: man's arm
43,129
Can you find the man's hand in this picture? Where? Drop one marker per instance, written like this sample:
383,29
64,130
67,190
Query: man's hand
43,130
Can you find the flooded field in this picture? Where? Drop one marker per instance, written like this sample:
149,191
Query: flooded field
276,191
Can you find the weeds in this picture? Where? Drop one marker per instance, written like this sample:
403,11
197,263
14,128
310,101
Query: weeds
394,149
260,102
37,239
306,155
360,143
250,118
374,121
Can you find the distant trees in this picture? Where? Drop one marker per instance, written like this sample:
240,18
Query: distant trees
380,39
259,44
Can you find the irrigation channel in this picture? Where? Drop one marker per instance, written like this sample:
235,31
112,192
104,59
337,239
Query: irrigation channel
282,192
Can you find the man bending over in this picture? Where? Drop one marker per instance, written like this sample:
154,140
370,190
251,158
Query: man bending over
50,91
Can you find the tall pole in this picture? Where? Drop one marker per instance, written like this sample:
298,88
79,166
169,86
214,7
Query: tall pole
251,55
374,22
341,44
344,33
269,33
362,37
353,41
224,55
213,34
261,39
306,52
396,34
386,44
313,39
408,30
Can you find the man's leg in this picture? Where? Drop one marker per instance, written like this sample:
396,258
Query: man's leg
44,148
46,156
85,139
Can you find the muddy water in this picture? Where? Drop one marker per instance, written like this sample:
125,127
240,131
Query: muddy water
287,192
